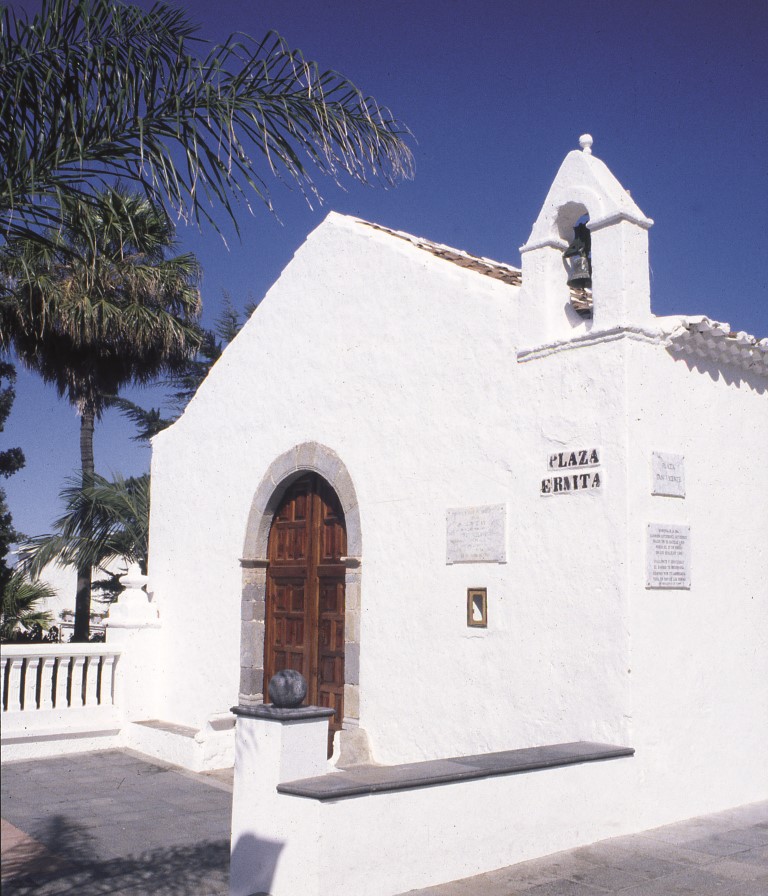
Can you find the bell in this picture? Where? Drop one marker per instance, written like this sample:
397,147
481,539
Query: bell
576,258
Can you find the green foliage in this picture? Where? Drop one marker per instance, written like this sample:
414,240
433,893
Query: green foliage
19,604
104,520
148,422
98,305
11,460
185,381
8,536
93,90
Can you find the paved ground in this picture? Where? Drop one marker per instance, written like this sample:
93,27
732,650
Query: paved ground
115,823
724,854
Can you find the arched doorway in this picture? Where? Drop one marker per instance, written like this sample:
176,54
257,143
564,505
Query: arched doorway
305,592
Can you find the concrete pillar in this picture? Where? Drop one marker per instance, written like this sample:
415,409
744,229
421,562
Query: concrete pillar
275,837
133,625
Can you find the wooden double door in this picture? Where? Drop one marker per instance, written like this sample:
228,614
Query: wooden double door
305,593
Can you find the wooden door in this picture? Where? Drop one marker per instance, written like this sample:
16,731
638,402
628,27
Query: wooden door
305,593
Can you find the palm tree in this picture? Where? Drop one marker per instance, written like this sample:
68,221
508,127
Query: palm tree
91,90
11,461
187,379
97,306
19,604
104,520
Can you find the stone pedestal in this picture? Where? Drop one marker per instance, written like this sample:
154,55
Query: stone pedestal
132,608
133,625
271,832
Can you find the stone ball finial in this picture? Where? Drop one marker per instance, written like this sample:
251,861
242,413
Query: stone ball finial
585,142
287,689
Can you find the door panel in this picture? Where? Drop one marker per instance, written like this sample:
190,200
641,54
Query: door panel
305,593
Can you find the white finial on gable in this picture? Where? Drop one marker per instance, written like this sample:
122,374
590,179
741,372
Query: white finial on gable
585,191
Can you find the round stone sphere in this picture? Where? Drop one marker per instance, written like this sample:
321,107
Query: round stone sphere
287,689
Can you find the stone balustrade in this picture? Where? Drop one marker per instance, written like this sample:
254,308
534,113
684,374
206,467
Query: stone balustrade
58,691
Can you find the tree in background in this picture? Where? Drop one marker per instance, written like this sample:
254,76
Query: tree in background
104,520
94,90
11,460
95,307
184,381
19,605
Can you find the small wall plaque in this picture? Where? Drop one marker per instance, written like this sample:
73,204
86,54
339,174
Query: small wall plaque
476,534
668,556
477,607
668,474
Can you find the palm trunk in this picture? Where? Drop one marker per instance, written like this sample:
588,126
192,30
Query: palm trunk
84,573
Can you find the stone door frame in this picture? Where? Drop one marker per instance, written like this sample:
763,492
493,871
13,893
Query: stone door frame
309,457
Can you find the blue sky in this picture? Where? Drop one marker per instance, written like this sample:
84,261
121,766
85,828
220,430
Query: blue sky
496,92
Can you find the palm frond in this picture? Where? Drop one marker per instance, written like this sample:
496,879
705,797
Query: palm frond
148,423
104,520
98,305
98,89
19,604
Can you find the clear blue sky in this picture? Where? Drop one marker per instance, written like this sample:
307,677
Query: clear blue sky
496,92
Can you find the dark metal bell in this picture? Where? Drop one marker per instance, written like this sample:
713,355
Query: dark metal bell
579,274
576,258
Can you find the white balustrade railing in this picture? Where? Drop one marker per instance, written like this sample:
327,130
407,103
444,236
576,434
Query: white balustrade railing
40,677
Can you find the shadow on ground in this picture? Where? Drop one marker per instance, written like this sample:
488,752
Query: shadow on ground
74,867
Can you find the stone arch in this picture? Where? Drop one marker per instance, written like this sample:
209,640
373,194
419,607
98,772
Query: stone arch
308,457
284,470
567,216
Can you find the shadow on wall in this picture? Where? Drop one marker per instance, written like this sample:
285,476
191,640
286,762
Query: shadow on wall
62,860
253,866
730,374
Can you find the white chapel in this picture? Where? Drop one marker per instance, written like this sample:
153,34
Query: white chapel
479,507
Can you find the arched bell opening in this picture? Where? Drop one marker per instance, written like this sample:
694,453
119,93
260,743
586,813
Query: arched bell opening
573,226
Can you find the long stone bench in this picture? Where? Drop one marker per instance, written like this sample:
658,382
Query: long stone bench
368,779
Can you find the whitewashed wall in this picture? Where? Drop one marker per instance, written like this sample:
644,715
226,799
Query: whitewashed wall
405,366
700,656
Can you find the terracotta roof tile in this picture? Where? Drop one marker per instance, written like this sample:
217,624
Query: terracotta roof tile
495,269
715,341
696,336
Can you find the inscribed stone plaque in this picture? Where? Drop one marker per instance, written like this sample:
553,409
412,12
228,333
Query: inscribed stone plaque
476,534
668,556
668,475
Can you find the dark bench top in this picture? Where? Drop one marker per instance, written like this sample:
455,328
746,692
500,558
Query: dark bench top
367,779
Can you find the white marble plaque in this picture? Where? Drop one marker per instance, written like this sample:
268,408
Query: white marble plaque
668,556
668,474
476,534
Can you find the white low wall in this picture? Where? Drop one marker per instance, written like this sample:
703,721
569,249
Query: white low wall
73,698
386,843
58,698
389,843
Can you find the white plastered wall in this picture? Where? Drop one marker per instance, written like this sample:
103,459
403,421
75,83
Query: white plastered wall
405,366
700,656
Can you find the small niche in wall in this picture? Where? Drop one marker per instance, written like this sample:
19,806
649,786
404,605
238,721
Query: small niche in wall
477,607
